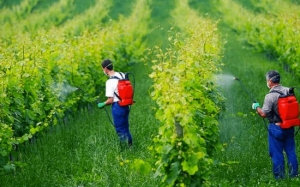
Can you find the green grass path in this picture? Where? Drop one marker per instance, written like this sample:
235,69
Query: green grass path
85,152
243,132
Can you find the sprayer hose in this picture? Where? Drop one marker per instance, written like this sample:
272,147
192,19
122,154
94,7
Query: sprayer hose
108,116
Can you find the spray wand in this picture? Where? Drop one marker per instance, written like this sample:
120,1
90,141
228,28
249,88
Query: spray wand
235,78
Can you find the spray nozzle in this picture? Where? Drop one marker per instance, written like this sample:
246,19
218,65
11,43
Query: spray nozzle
78,89
235,78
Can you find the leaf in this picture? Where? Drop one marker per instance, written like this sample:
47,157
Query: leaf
190,168
141,166
4,153
167,148
9,167
174,172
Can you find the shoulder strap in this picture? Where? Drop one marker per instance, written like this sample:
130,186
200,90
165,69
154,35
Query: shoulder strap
280,94
117,96
115,77
290,92
121,75
276,91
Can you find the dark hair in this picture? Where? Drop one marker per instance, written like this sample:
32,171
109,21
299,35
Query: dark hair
107,64
274,76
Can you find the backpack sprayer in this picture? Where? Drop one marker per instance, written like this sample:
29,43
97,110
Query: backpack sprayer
125,92
288,108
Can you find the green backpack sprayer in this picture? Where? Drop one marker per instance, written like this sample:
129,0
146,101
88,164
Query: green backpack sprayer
288,107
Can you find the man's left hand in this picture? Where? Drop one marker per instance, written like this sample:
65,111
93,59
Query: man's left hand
255,105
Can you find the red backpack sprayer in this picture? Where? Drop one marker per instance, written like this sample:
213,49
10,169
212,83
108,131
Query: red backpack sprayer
125,92
288,107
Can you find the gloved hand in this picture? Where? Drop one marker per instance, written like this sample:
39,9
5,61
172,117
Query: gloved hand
255,105
101,105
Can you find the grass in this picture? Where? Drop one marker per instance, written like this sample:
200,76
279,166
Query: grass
121,7
160,23
85,151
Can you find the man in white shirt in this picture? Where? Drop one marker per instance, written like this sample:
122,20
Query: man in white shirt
120,113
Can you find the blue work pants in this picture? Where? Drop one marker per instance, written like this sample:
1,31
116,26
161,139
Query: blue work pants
121,122
282,140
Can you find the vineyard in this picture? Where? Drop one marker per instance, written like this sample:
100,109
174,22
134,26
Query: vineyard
191,124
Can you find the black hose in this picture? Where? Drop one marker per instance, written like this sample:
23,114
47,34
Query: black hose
108,116
133,84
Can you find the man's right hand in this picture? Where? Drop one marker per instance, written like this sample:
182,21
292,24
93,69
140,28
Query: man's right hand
101,105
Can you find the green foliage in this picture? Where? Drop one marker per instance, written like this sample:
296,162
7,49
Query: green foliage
41,72
141,166
274,31
6,141
188,136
